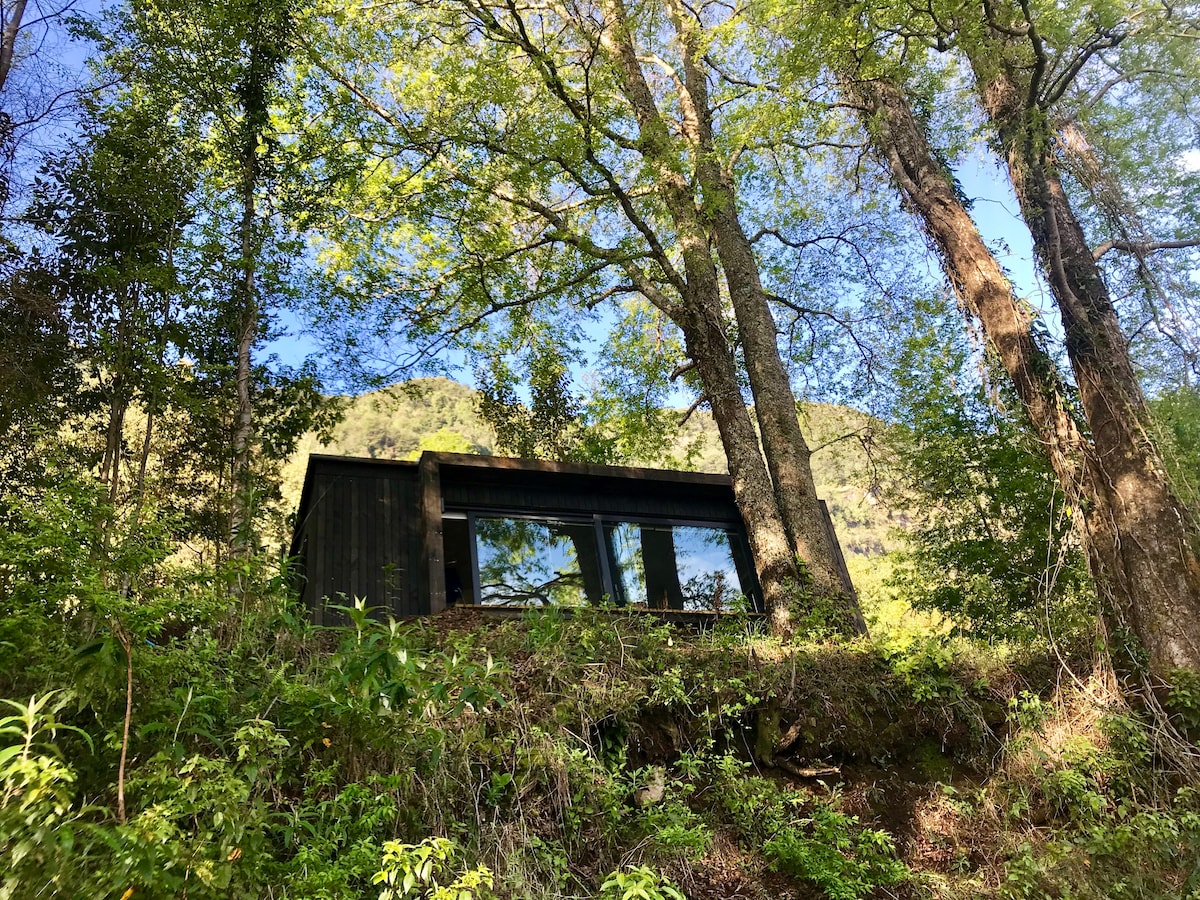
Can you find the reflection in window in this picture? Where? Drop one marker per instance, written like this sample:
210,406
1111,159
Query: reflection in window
707,571
684,567
532,562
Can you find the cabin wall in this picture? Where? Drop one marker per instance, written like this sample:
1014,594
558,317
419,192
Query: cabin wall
533,492
362,538
374,530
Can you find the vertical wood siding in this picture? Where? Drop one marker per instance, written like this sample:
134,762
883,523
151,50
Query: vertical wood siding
361,539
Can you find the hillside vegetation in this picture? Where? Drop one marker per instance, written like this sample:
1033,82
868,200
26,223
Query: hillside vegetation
161,741
601,756
596,208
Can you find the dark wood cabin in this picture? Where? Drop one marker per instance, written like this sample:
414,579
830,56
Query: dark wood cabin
415,537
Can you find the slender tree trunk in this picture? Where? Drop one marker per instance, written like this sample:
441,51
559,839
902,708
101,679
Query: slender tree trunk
698,311
143,464
240,480
788,457
791,497
10,28
126,642
982,287
114,432
701,319
110,465
703,325
986,294
246,307
8,39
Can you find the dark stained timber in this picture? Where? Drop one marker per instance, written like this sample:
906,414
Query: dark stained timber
412,538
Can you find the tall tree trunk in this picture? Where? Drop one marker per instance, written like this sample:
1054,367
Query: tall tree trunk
262,65
788,456
986,294
119,394
982,287
247,330
698,311
9,29
1137,538
1149,538
700,318
787,453
792,494
753,492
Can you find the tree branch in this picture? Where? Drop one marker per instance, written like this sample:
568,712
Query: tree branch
1143,247
687,414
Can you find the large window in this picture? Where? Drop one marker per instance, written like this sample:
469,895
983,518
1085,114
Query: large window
662,566
537,562
531,561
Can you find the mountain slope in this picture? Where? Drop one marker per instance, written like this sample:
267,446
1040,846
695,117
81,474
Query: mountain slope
438,414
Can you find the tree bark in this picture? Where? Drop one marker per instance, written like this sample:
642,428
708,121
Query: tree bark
240,510
1149,540
788,457
8,38
687,285
698,221
752,488
699,317
119,400
983,289
262,62
1139,540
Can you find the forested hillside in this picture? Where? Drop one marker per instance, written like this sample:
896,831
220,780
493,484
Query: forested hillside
936,263
849,464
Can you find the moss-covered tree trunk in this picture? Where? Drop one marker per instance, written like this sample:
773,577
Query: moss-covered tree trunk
1148,540
788,457
752,487
783,491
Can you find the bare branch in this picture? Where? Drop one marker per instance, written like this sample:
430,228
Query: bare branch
725,76
700,401
1143,247
681,369
1095,45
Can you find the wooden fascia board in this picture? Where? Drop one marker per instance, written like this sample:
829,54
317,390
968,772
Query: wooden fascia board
632,473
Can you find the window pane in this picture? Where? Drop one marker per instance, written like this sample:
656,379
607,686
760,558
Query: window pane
707,573
625,561
673,567
532,562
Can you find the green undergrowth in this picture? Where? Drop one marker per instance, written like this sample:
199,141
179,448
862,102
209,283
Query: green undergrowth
598,755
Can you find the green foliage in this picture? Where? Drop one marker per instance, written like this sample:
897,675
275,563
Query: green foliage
1177,413
1183,700
829,849
638,883
993,545
414,870
807,837
1121,830
925,668
377,667
548,427
557,752
37,818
